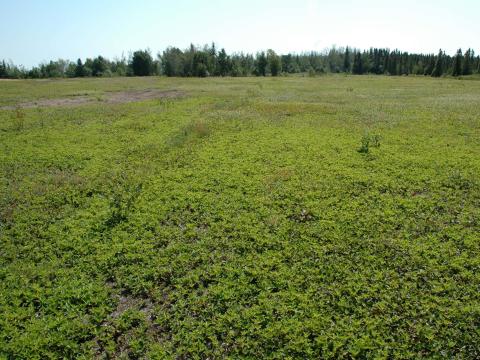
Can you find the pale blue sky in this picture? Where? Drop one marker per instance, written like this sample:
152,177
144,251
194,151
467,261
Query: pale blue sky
35,31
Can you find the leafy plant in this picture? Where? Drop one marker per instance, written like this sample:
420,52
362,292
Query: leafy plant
369,141
215,227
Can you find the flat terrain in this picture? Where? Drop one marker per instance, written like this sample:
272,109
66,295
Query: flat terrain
328,217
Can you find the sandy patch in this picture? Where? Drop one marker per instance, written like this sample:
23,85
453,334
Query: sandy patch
118,97
139,95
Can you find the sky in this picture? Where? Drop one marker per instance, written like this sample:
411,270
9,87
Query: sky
35,31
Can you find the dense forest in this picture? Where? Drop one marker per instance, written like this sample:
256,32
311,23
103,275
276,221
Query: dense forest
208,61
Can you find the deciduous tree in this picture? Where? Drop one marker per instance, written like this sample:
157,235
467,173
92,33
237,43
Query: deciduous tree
142,63
274,62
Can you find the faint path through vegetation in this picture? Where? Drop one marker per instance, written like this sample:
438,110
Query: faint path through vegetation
119,97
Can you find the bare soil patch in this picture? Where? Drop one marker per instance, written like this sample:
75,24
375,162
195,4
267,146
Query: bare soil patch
123,335
118,97
132,96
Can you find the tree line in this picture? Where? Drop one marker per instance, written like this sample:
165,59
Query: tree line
208,61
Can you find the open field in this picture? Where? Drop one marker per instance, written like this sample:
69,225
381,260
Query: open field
328,217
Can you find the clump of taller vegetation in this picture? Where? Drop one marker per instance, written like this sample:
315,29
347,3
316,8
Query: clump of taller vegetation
369,141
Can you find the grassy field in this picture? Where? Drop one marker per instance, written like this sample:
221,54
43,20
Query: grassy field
328,217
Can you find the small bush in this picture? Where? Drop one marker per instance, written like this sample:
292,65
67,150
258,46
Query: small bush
369,141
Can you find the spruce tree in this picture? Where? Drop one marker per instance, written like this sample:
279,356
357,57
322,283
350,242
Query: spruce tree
3,69
200,64
346,60
386,62
393,63
457,63
467,62
261,64
79,69
377,68
223,63
438,68
357,67
212,60
430,65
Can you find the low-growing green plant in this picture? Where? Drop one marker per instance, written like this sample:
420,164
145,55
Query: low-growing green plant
369,141
122,201
222,225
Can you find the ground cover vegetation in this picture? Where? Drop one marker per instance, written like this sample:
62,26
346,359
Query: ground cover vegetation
291,217
208,61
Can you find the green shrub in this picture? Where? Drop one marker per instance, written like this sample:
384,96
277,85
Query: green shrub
369,141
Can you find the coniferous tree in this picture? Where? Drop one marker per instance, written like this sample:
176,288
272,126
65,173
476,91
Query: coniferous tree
200,64
188,61
467,62
346,60
393,63
287,63
235,67
204,61
430,65
100,66
79,69
375,62
261,64
386,62
223,63
365,62
357,67
212,60
438,68
457,63
88,67
3,69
